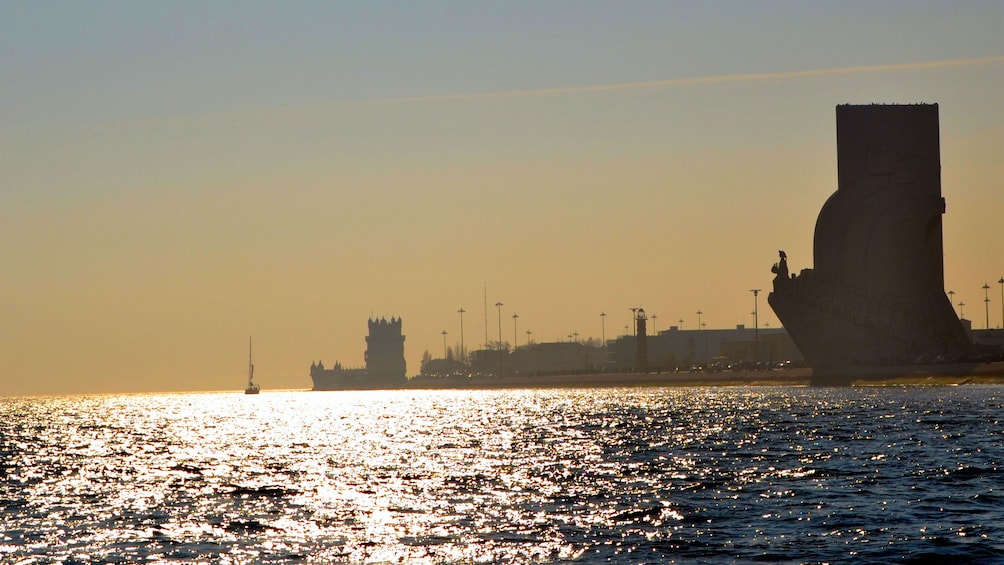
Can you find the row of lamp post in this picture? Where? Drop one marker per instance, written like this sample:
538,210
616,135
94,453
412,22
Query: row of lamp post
634,314
986,302
498,305
515,332
700,325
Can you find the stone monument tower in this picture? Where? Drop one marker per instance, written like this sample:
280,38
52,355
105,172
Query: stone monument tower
876,295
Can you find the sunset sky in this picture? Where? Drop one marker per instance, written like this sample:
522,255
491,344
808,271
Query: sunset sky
178,176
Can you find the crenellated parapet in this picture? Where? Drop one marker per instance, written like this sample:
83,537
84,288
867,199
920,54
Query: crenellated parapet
385,350
385,363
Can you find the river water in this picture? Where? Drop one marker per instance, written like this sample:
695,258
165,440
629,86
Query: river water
633,475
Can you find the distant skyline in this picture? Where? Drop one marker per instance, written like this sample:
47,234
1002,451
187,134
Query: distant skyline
175,177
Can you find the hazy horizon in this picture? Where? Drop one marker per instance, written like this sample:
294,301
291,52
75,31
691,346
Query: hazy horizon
179,176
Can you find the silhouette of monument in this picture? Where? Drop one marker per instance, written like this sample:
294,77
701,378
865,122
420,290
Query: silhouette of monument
385,351
876,296
385,364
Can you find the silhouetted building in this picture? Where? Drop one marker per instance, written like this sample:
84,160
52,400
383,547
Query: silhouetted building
557,357
876,295
544,358
682,349
385,364
385,351
988,343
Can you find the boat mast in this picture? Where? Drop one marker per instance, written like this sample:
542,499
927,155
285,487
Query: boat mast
250,364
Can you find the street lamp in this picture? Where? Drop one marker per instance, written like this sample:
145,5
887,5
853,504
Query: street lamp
1002,301
634,321
756,327
961,315
704,341
514,316
951,297
603,321
444,345
501,364
528,334
653,317
461,312
986,302
681,324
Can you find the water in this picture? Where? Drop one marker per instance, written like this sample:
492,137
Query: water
543,476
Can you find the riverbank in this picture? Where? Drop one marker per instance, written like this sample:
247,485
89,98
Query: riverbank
919,375
944,375
609,380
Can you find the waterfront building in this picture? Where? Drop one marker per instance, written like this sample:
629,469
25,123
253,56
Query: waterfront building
385,350
988,342
558,357
385,363
677,348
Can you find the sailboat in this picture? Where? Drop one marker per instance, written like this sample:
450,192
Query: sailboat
251,388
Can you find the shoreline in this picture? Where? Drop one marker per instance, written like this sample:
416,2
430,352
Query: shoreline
932,375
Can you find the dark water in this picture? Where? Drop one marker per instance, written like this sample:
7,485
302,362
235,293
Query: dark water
587,476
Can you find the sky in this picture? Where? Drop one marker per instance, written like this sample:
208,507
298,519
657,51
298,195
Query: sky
176,177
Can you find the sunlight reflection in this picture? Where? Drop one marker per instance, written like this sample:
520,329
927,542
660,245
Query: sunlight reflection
454,476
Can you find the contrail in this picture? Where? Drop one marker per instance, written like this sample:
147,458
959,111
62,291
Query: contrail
691,81
297,111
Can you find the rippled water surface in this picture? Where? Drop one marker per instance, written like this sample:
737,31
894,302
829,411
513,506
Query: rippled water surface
586,476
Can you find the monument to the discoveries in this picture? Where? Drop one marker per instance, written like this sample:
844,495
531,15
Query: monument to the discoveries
876,297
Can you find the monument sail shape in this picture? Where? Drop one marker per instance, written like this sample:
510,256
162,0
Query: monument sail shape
876,296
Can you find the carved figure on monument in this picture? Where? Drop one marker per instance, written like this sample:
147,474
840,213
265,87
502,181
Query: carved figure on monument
781,268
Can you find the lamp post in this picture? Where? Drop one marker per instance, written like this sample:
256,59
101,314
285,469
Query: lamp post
756,327
1002,301
704,342
528,334
951,298
653,317
501,363
444,345
961,315
681,323
514,316
986,302
634,321
603,322
461,312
